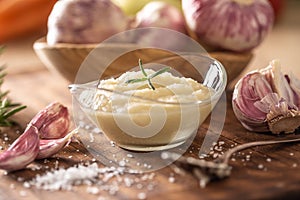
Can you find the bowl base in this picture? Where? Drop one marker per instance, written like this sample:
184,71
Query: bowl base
143,148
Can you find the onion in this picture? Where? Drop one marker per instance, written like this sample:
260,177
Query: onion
237,25
84,21
161,14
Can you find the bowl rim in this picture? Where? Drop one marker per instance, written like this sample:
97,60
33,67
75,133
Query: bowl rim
41,43
93,85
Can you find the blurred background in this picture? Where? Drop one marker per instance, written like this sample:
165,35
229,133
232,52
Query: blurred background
23,22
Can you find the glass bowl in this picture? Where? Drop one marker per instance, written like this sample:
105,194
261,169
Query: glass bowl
146,124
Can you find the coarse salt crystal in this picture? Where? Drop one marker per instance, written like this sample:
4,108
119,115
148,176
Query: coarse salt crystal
112,143
129,155
93,190
142,195
23,193
268,159
260,166
171,179
26,185
139,186
215,155
122,163
12,186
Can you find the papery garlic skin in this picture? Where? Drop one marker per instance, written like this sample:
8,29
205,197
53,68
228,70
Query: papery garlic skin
249,90
50,147
22,152
278,81
52,122
268,100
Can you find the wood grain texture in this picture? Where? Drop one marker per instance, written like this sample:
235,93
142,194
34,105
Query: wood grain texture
279,179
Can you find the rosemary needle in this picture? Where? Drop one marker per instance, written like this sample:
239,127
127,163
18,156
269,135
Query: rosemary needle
147,77
7,107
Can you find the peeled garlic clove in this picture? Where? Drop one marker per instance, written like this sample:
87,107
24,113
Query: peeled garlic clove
52,122
53,146
278,81
22,152
250,89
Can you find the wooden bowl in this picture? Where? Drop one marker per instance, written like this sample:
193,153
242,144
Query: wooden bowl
66,59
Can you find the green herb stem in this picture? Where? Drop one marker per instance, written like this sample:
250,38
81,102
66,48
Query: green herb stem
147,77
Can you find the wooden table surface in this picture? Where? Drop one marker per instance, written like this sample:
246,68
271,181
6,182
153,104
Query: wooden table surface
271,173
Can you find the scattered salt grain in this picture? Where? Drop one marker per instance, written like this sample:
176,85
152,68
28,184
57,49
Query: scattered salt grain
122,163
248,157
150,187
142,196
93,190
295,165
23,193
203,155
268,159
215,155
171,179
139,186
129,155
12,186
20,179
26,185
260,166
128,181
291,154
112,143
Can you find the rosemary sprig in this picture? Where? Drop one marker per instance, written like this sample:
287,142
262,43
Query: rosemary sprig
7,107
147,77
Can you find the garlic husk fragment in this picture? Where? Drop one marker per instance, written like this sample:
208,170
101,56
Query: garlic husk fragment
52,122
267,100
22,152
52,146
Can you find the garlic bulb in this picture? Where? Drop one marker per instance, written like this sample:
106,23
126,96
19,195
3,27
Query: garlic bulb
268,100
236,25
161,14
85,21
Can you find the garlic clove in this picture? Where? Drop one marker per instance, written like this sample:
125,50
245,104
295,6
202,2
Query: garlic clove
50,147
52,122
295,86
278,81
268,100
22,152
250,89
